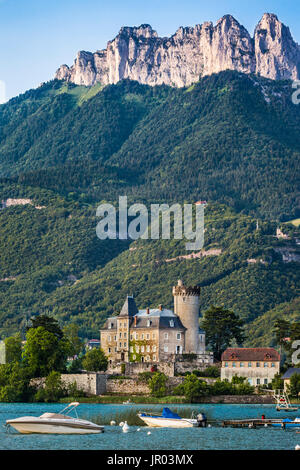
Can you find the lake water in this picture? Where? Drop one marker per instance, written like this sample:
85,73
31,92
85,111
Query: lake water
212,438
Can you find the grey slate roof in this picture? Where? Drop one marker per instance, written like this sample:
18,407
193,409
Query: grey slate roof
290,372
156,312
110,321
158,319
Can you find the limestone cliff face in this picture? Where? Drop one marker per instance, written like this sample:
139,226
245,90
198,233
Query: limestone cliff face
277,55
139,54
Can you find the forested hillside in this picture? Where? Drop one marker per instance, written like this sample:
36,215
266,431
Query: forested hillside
230,139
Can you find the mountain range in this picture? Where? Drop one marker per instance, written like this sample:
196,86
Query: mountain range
138,53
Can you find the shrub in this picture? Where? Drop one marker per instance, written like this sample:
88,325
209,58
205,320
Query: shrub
53,389
144,377
95,360
158,384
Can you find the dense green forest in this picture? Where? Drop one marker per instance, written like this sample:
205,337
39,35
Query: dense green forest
230,139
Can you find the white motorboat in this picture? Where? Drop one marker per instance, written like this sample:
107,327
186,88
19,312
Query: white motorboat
55,423
172,420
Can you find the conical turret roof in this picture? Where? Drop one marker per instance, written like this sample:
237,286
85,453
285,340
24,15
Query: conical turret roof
129,308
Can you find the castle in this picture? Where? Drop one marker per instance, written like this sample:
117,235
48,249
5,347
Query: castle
155,335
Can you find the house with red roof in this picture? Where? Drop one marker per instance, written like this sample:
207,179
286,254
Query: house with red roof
258,365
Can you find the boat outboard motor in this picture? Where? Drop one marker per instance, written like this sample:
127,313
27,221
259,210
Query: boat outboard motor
201,420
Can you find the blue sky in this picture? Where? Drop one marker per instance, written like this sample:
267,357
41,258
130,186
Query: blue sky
37,36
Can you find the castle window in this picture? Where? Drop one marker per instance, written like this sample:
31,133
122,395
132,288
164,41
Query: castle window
125,345
166,348
148,348
154,357
120,335
115,349
134,357
272,365
226,364
125,335
136,336
178,336
109,338
233,364
142,336
131,337
148,323
249,364
137,349
147,336
265,364
154,348
131,349
166,336
241,364
109,350
142,348
116,338
258,364
120,345
147,358
153,336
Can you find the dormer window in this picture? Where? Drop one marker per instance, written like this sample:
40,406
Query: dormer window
171,323
111,325
148,323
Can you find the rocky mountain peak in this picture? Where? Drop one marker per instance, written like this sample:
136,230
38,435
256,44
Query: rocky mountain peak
144,31
277,55
138,53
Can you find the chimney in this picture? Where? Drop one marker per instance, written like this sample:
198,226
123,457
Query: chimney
147,310
160,307
135,319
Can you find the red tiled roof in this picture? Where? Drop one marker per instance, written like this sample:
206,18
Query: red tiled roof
250,354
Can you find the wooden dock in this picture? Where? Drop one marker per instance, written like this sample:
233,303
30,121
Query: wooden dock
250,423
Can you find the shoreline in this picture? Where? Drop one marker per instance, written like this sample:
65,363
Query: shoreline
177,400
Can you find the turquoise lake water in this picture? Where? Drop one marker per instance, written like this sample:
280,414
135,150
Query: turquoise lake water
210,438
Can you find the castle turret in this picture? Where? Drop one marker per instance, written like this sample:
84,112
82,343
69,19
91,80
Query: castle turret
186,306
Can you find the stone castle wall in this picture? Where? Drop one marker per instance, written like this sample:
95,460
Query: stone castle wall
92,383
135,368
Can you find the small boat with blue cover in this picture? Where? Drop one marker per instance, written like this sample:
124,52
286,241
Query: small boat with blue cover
288,423
172,420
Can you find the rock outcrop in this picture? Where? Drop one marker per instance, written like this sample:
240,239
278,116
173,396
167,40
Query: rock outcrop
139,54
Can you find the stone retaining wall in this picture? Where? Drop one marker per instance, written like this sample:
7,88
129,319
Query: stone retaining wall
92,383
135,368
238,399
126,387
168,368
123,386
